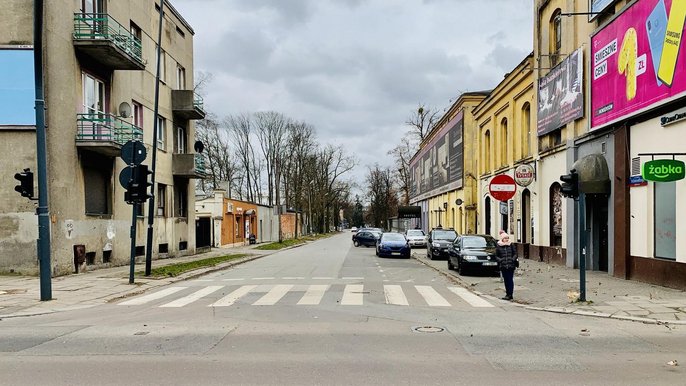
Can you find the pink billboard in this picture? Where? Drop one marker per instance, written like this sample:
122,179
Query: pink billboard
637,61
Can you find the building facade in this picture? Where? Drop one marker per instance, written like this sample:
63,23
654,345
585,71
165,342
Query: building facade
443,171
99,68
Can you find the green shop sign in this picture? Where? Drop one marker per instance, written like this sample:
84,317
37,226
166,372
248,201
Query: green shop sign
663,170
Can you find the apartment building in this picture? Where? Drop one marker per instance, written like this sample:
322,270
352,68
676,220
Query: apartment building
100,61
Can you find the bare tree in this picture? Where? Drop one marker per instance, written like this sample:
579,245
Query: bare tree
240,129
299,147
402,154
422,121
382,195
271,130
221,165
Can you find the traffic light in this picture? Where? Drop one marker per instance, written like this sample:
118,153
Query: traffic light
570,184
137,187
25,187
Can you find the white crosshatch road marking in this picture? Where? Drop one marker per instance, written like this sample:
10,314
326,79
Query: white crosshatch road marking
274,295
431,296
193,297
395,295
472,299
233,296
352,295
154,296
312,295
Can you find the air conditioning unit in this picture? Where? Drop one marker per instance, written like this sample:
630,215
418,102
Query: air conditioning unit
229,208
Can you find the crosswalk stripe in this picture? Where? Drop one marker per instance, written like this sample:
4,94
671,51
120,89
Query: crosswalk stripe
274,295
193,297
151,297
472,299
313,295
431,296
395,295
233,296
352,295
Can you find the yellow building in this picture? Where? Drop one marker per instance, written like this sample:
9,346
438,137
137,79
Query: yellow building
506,144
442,172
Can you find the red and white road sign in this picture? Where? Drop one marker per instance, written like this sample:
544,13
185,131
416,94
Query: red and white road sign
502,187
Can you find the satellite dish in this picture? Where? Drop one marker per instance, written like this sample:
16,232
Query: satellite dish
199,147
124,110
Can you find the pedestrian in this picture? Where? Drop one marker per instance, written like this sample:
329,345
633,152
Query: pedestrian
506,254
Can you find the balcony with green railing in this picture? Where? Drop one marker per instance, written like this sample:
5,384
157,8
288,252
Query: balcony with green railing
187,104
104,40
189,165
104,133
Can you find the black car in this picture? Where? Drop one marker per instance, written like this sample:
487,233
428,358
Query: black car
366,237
438,242
473,253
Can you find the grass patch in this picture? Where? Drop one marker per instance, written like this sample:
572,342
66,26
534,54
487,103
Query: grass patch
292,242
172,270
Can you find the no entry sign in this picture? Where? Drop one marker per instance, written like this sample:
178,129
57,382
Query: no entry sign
502,187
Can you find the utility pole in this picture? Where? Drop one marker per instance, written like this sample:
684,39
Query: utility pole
41,157
151,209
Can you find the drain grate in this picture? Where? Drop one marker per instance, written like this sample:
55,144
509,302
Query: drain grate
429,329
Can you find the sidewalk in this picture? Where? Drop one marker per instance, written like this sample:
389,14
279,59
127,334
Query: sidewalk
538,286
554,288
20,295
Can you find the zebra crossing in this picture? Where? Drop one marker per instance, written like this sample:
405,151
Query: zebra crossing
309,295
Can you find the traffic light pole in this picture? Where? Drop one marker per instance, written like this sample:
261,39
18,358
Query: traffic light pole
41,157
133,243
153,166
582,247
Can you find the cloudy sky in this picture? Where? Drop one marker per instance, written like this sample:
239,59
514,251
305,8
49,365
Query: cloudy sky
354,69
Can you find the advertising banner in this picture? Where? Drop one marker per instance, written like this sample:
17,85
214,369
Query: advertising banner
560,98
17,86
439,166
638,62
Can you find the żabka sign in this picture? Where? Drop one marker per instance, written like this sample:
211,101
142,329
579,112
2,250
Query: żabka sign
663,170
637,61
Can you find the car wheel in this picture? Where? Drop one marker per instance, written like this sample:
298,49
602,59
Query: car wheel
356,243
460,271
450,265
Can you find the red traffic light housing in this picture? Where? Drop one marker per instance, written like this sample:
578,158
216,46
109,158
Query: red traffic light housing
25,187
570,184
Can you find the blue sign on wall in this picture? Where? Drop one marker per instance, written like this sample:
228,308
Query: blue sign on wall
597,6
17,86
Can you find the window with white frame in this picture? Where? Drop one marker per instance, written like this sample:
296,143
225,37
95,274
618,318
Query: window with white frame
180,140
180,77
137,114
163,65
161,132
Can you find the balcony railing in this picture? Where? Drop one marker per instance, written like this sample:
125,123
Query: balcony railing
101,127
198,102
187,104
200,164
101,27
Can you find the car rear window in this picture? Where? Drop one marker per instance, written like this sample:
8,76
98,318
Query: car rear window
445,235
415,233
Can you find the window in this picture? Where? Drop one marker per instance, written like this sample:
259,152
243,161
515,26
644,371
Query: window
161,132
555,215
180,77
526,130
665,220
163,66
555,37
97,176
180,32
137,114
180,197
136,31
94,109
180,140
161,200
487,151
92,6
503,142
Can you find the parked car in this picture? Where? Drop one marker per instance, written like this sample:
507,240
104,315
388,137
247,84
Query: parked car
353,229
366,238
438,242
473,253
393,244
415,237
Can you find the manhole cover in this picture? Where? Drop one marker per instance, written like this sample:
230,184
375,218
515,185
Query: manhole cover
428,329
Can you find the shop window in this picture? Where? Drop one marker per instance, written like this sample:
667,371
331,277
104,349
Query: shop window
555,215
665,220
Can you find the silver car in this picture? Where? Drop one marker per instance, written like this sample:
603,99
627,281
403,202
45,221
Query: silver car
416,238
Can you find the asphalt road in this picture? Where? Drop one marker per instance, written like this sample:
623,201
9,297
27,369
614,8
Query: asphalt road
329,313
